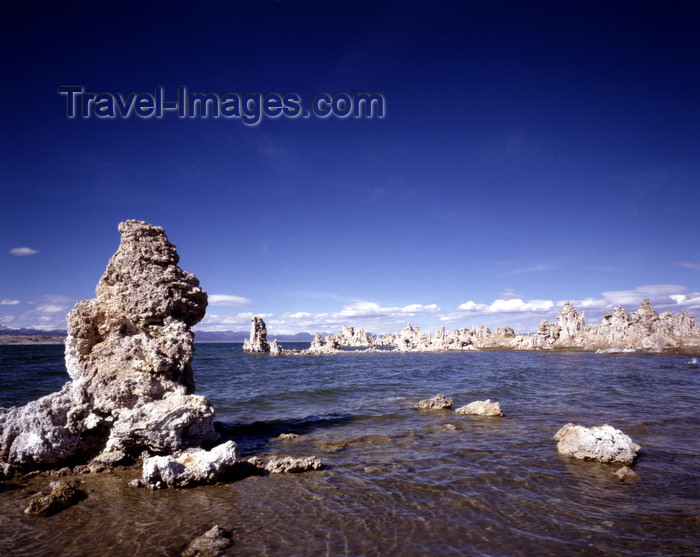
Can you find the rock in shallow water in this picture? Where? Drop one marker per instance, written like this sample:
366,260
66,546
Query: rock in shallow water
63,495
481,408
210,544
128,353
626,474
193,467
258,336
293,465
601,443
437,402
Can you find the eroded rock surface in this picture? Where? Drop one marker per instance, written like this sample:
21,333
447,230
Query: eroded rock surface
317,346
481,408
601,443
192,467
437,402
210,544
128,354
289,465
349,336
258,336
275,348
63,495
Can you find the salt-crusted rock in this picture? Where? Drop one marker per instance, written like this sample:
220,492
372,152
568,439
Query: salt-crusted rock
618,331
601,443
283,436
505,332
481,408
293,465
316,343
626,474
348,336
275,348
63,495
318,347
410,339
258,336
572,323
437,402
128,353
192,467
210,544
645,329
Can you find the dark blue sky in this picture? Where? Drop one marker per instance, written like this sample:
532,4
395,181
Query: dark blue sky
531,152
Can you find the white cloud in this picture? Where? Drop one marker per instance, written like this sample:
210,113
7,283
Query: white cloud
50,308
228,300
509,294
473,306
523,315
512,305
47,312
360,313
689,265
19,252
538,268
658,293
231,321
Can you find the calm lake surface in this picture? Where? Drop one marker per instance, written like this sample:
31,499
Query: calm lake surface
399,481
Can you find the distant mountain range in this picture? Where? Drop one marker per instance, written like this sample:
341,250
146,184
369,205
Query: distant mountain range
199,336
240,336
33,332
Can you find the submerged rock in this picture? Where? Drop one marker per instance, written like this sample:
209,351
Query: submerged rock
190,468
626,474
63,495
601,443
283,436
128,354
209,544
437,402
293,465
258,336
481,408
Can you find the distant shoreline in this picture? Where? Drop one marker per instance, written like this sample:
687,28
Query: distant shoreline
30,339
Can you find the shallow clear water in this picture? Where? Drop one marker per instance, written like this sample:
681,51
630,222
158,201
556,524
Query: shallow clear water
399,481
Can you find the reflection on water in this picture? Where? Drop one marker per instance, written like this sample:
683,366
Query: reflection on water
399,481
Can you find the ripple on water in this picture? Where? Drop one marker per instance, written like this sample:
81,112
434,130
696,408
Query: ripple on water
399,481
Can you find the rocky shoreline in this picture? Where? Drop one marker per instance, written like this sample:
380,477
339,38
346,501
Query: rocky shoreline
131,402
30,339
130,398
618,331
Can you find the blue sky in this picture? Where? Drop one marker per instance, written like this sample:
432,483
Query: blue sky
531,153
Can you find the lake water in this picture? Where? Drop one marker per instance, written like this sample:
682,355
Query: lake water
399,481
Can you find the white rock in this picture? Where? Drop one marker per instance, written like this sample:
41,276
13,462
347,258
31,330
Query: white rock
275,348
601,443
437,402
258,336
293,465
318,347
128,354
481,408
190,468
349,336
